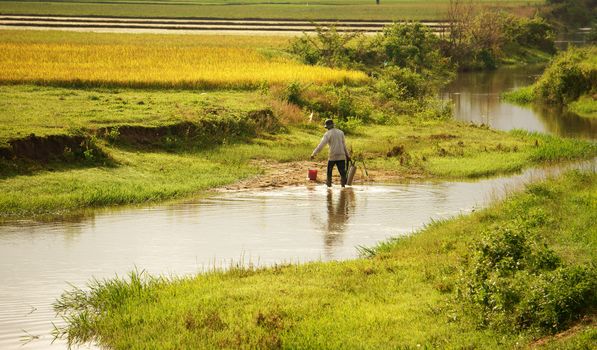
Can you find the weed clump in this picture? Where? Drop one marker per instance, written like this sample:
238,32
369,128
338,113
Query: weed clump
513,281
82,308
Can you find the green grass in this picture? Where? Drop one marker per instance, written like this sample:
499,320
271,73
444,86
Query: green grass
26,109
433,148
404,296
585,106
585,339
293,9
521,96
520,55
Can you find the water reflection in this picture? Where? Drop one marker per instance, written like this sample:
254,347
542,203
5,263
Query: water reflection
476,98
561,122
339,213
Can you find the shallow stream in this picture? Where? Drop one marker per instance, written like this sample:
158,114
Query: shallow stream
476,98
38,260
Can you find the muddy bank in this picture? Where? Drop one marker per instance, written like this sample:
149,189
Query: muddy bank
207,131
44,149
277,175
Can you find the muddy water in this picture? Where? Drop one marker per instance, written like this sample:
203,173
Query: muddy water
476,98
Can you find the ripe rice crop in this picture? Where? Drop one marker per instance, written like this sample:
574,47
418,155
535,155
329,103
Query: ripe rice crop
164,67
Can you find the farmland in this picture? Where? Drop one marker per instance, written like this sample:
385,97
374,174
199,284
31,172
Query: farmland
138,66
294,9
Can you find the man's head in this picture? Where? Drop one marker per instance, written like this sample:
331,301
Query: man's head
329,124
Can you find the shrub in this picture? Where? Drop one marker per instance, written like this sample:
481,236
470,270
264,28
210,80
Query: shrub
482,39
557,297
328,47
396,82
571,12
344,105
415,47
513,281
571,74
350,125
292,93
535,32
306,50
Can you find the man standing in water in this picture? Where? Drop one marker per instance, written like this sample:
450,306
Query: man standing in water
338,152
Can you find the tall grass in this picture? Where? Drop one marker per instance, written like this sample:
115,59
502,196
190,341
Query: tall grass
165,67
521,96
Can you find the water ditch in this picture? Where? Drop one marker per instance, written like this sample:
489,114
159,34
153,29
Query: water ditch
38,260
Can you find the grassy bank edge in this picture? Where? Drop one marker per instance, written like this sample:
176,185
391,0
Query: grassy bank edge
180,174
585,106
408,285
568,81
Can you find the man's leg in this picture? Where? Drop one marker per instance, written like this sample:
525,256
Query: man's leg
341,164
328,180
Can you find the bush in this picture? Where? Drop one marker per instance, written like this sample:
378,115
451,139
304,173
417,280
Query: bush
535,32
292,93
344,104
513,281
396,82
328,48
350,125
483,39
306,50
557,297
573,13
571,74
413,46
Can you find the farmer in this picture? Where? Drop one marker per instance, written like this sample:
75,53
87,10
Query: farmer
338,153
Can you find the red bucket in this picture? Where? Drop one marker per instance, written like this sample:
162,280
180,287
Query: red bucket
312,174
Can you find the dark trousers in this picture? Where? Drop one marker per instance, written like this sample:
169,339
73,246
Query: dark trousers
341,165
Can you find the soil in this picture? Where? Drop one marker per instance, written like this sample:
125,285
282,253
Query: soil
47,148
277,175
204,131
589,321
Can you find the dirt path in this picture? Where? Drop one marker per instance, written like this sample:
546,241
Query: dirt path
295,174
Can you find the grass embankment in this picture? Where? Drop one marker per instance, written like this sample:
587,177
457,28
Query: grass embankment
172,166
570,80
538,249
294,9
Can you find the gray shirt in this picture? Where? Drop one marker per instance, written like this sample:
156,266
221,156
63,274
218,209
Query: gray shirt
335,139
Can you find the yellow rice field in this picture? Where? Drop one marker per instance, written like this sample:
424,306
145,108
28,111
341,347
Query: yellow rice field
146,66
